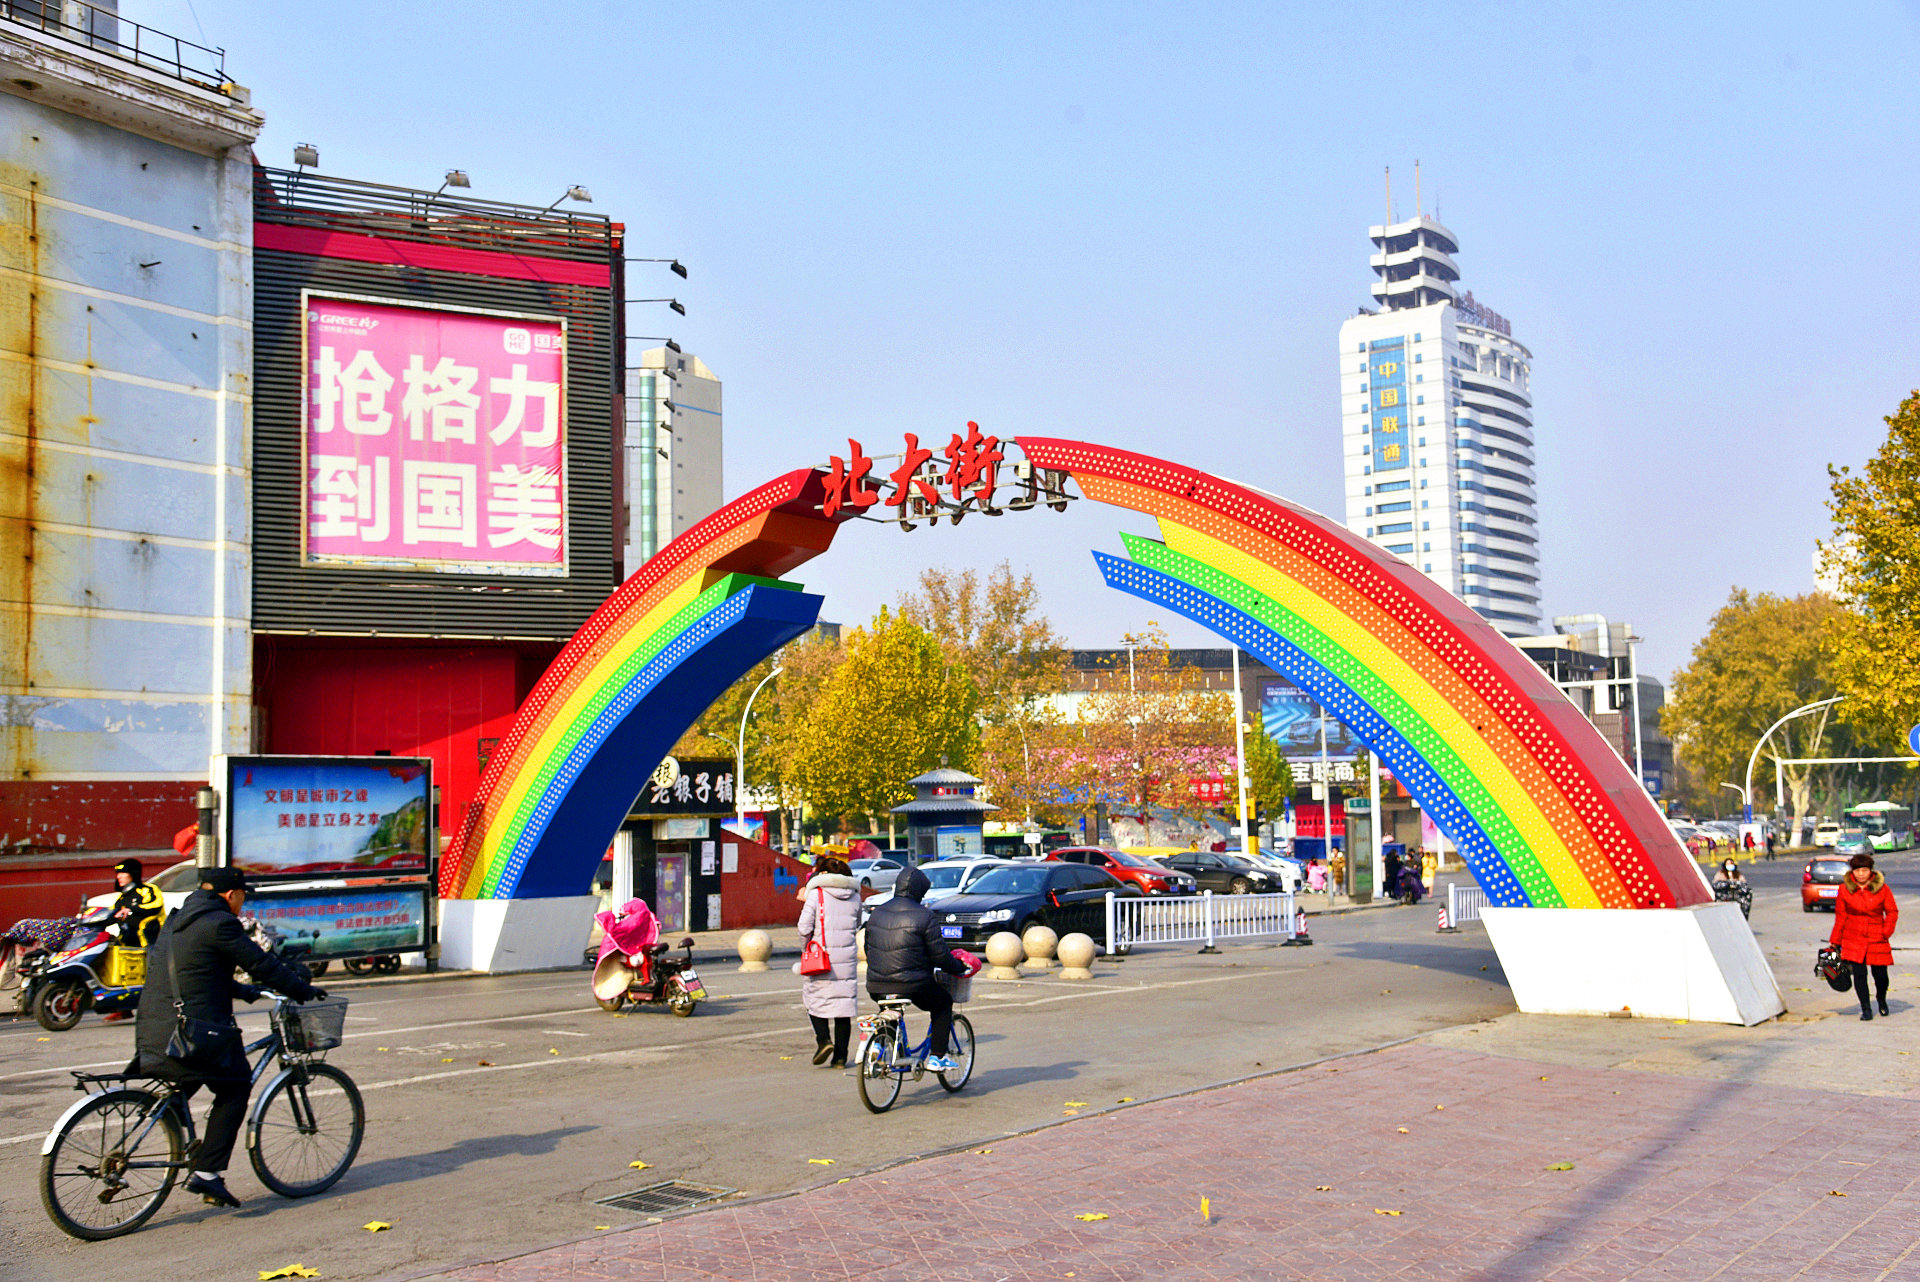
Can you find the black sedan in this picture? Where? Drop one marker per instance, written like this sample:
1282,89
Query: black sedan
1064,897
1225,874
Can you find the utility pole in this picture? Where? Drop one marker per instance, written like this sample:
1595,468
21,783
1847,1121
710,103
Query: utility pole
1326,804
1240,752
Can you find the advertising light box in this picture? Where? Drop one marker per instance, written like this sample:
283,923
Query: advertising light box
434,439
304,817
347,923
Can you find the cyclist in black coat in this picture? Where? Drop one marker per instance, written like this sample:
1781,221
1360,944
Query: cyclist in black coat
904,949
207,944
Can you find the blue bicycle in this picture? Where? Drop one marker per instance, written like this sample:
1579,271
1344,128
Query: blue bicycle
112,1158
887,1059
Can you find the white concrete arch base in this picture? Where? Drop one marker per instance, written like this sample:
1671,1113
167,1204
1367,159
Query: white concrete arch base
1698,963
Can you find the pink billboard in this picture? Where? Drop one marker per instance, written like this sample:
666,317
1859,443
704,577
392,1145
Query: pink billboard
435,439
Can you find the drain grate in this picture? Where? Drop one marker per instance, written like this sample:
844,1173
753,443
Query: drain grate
669,1195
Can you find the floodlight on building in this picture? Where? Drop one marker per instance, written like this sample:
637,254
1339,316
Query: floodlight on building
673,265
654,338
575,192
305,156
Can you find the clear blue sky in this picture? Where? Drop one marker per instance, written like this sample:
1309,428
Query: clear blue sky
1142,225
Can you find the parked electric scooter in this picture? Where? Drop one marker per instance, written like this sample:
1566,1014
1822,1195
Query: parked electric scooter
92,972
632,967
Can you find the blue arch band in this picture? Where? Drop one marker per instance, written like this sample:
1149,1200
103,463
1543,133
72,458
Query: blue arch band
594,788
1408,766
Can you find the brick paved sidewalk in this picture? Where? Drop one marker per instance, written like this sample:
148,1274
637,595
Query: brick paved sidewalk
1673,1179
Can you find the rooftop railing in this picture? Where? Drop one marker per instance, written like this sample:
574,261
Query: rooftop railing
105,31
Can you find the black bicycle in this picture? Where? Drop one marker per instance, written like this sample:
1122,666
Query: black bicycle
113,1157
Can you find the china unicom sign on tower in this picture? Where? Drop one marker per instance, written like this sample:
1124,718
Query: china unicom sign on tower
1437,420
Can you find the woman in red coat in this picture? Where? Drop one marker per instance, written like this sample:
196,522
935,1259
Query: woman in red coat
1864,916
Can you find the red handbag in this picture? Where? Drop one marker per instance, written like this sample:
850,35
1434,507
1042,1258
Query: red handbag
814,959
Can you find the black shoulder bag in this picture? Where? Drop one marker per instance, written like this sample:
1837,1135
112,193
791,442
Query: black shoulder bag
196,1043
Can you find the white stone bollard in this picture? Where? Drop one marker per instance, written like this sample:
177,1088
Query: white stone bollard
1004,951
1040,943
1076,956
755,947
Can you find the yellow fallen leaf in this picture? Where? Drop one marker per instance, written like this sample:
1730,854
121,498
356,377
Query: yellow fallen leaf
1835,1193
819,1161
552,1051
844,1179
1378,1211
486,1063
784,1058
1401,1129
1091,1216
448,1060
1543,1079
1076,1103
1323,1188
379,1048
1561,1166
376,1226
1439,1108
601,1228
1128,1099
636,1166
983,1151
48,1039
1206,1209
290,1271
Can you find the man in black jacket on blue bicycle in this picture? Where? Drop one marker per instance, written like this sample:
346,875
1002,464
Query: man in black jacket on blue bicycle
204,943
904,949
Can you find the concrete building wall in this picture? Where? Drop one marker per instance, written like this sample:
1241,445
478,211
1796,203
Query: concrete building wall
125,360
674,450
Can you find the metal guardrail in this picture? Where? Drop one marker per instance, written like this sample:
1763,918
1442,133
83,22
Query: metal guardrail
107,32
1464,904
1202,919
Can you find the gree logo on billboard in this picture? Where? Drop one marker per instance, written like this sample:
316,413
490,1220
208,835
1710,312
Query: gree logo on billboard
435,439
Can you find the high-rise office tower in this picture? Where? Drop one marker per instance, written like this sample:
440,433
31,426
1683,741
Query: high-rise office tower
673,449
1437,423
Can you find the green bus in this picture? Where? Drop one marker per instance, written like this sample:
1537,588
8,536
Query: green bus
1888,826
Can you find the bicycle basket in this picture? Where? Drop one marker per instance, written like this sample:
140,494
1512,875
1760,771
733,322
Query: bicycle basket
959,987
316,1026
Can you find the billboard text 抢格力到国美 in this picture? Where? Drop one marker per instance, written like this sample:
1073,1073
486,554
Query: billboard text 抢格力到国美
434,438
314,815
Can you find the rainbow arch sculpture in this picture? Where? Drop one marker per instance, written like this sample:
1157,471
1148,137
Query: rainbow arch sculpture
1544,812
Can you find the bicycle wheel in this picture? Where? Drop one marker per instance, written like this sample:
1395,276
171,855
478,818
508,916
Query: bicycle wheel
879,1083
306,1130
109,1170
960,1051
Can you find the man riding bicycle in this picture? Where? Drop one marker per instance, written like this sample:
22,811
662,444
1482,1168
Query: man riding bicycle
904,948
203,943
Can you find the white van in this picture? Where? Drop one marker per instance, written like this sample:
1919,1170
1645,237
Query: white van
1826,833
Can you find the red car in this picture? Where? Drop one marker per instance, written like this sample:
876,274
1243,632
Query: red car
1152,878
1820,882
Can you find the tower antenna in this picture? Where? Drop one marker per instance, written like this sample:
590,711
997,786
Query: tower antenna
1418,208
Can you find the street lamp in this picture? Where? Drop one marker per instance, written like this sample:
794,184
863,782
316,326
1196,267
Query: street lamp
1746,793
673,264
670,302
740,751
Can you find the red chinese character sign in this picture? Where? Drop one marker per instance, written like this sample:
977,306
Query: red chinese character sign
435,439
925,489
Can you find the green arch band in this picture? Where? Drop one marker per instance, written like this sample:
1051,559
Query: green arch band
1370,686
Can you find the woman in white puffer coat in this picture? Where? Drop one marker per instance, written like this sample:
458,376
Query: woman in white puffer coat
831,908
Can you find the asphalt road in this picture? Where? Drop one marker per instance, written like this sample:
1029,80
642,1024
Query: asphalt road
469,1161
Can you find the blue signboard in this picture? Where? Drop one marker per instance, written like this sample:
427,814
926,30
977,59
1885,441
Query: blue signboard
1292,720
347,923
1387,381
308,816
1913,738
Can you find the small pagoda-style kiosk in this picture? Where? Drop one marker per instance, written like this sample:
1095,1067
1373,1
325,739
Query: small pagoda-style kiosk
945,820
